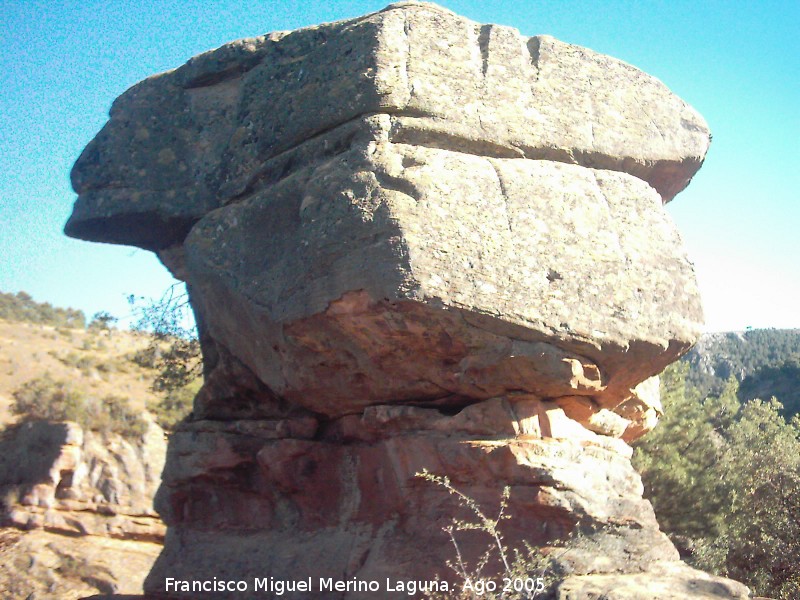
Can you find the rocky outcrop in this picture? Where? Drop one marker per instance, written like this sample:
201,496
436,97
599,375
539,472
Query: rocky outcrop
47,565
58,477
460,215
411,242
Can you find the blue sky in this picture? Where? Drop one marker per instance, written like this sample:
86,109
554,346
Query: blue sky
738,63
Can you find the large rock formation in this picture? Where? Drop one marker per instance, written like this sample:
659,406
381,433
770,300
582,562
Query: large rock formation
411,242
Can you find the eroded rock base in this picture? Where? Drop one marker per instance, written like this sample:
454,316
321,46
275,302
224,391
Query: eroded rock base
294,499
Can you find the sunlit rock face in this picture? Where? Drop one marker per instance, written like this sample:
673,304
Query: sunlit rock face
409,207
411,241
59,477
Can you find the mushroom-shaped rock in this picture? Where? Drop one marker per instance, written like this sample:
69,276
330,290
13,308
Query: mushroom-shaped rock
411,242
408,207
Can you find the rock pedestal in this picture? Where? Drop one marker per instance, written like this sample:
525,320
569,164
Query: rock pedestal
411,242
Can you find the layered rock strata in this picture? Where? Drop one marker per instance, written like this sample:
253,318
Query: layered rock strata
58,477
411,242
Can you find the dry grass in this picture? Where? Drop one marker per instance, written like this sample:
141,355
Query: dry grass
92,361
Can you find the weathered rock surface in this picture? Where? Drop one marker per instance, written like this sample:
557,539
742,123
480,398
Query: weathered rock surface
242,116
379,214
58,477
482,279
293,498
412,242
664,581
44,565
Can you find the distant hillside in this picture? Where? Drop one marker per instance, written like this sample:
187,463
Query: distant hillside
21,307
766,362
52,368
55,366
93,362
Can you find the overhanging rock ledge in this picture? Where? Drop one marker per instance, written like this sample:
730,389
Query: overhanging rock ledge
411,241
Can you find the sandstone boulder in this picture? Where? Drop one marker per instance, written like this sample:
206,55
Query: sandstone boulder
484,276
366,212
242,116
288,499
47,565
665,581
411,242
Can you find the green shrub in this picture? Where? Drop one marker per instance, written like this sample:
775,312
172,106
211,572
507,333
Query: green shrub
85,363
65,333
118,417
174,405
45,398
102,321
146,358
71,359
174,348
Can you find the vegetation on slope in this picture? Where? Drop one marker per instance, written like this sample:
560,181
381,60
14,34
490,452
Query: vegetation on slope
766,362
45,398
54,366
724,479
22,307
